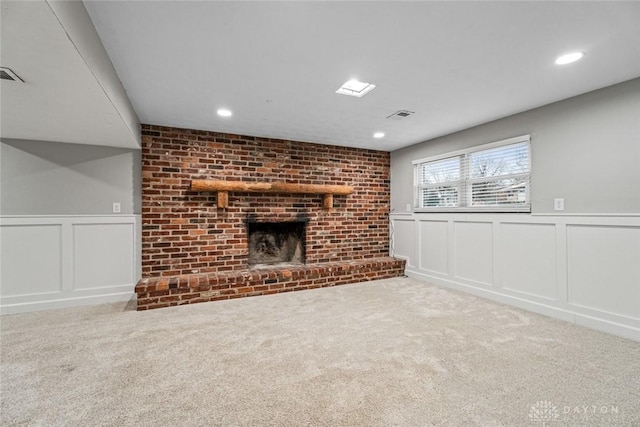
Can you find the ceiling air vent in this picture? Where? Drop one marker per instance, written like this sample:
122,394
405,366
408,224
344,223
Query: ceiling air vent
400,114
8,74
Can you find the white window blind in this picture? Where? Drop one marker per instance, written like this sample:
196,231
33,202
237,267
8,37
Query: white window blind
492,177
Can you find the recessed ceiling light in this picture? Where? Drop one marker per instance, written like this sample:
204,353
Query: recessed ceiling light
569,58
224,112
378,135
355,88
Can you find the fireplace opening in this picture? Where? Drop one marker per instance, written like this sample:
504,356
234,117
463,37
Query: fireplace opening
275,243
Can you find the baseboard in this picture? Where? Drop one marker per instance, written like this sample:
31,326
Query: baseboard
68,302
561,313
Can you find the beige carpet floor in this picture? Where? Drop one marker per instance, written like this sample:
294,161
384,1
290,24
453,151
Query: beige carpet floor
390,352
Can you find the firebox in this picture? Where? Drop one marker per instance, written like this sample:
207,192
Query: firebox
274,243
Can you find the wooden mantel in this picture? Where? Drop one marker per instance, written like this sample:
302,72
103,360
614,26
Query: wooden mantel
224,187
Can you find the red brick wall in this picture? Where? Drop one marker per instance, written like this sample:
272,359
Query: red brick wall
185,233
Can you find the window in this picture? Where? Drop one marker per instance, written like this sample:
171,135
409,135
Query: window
492,177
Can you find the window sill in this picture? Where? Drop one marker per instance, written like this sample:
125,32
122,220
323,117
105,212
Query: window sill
494,209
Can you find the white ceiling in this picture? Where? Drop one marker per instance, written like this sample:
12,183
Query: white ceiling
70,90
278,64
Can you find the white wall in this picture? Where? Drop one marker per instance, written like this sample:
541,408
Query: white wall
580,265
585,149
60,243
49,178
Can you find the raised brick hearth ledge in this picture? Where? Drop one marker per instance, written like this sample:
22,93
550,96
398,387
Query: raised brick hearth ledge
189,289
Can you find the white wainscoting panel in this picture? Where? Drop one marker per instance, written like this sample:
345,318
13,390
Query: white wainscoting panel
473,249
433,245
604,268
31,262
99,266
65,261
583,269
529,259
404,241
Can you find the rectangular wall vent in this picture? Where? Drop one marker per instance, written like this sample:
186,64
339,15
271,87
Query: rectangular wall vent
8,74
400,114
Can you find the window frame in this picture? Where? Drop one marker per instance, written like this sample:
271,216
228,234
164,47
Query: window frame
465,181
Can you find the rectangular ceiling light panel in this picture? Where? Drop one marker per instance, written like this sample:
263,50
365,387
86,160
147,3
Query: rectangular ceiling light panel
355,88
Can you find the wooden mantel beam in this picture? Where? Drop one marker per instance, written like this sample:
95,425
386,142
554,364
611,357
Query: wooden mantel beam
224,187
268,187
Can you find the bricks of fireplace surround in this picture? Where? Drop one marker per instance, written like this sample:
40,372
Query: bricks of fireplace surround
183,231
158,292
194,252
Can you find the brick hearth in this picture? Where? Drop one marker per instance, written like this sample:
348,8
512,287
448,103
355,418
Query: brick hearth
193,251
165,292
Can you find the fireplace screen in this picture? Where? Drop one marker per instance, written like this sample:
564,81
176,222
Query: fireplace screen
276,243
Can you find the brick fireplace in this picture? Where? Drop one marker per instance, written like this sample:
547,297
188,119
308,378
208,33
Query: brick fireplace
193,251
276,244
